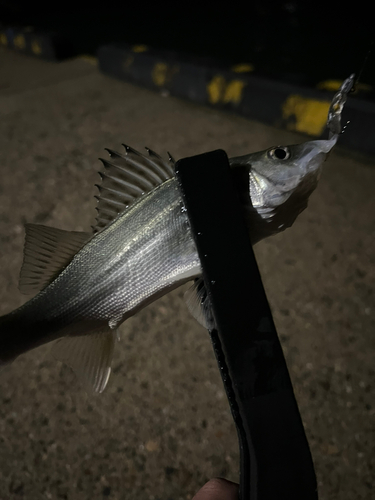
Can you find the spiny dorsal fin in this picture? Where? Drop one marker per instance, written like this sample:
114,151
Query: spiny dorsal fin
47,252
199,305
89,356
127,177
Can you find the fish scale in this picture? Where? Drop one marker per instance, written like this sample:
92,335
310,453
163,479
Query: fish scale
132,268
142,251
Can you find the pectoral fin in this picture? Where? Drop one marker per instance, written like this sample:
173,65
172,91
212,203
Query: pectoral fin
199,304
89,356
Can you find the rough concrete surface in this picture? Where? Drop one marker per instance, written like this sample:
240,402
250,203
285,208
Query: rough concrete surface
163,426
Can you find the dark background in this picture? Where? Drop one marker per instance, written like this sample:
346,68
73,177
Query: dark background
302,42
164,427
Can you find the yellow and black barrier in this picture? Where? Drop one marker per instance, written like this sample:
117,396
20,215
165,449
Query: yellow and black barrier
26,40
240,90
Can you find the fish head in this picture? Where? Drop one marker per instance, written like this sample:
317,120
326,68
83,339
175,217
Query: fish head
283,172
275,184
279,183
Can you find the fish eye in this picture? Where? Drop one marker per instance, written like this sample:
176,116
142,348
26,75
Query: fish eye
279,153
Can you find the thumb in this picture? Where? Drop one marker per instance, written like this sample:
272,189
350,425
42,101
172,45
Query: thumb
218,489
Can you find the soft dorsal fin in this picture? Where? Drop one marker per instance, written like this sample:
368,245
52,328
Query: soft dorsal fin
199,304
127,177
47,252
89,356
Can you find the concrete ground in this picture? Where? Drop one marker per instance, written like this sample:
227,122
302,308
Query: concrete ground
163,426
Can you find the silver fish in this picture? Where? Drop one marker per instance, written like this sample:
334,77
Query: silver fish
142,247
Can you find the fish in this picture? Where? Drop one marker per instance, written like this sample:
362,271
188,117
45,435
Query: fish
142,247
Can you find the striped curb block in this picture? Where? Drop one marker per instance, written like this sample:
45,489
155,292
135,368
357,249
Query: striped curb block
40,44
240,91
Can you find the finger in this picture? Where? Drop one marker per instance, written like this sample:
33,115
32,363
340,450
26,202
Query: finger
218,489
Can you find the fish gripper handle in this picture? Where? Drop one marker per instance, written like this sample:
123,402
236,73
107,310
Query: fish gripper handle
275,459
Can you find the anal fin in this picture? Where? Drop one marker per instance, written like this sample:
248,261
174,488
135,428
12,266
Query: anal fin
89,356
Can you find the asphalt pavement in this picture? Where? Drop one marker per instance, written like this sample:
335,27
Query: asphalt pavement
163,426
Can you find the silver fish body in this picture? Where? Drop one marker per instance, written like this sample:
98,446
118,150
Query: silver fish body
143,248
146,252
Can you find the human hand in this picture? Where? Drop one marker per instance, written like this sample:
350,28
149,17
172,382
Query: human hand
218,489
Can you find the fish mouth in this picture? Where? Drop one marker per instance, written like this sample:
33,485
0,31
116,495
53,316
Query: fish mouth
325,145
